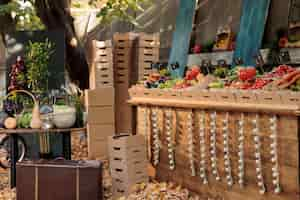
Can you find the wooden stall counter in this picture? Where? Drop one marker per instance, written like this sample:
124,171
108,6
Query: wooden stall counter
223,144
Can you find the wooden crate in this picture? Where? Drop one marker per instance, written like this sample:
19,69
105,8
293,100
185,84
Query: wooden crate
99,47
125,39
288,141
128,163
101,64
149,40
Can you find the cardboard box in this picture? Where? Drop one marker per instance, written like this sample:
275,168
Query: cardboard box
100,132
100,97
101,115
97,140
97,149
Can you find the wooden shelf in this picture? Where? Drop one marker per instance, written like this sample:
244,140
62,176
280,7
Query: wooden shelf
197,59
29,131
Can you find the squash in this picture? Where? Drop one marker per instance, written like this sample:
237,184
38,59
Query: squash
36,121
10,123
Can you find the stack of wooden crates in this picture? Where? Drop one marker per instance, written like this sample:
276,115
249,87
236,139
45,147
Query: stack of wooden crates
128,163
100,99
133,55
147,52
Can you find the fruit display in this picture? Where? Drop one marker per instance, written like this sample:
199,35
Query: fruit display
245,78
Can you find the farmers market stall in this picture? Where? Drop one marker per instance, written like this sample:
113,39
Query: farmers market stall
235,137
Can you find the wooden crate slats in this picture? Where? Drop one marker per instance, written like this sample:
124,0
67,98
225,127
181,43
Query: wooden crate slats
127,163
251,31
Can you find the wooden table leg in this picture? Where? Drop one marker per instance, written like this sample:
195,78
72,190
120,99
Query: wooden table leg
14,151
67,145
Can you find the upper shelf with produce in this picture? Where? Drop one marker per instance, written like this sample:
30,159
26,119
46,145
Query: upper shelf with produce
286,55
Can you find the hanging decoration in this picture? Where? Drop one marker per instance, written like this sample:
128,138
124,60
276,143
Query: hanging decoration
146,133
156,140
241,138
227,163
190,136
274,154
213,148
202,148
257,145
170,139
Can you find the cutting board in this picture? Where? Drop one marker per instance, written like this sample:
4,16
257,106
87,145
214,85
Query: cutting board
181,36
251,32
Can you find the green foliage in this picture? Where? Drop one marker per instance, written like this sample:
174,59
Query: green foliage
38,55
23,12
121,9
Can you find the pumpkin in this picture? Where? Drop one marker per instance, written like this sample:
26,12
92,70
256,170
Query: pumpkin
10,123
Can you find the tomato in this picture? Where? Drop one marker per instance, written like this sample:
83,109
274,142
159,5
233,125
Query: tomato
247,73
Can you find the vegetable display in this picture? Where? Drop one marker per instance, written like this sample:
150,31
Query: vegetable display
245,78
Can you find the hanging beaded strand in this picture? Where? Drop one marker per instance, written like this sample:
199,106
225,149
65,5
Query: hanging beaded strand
257,145
227,163
213,151
274,154
202,147
146,132
169,131
241,138
191,143
156,141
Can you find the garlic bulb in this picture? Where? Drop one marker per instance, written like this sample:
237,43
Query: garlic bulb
241,161
274,154
156,140
257,146
169,137
202,148
227,163
213,148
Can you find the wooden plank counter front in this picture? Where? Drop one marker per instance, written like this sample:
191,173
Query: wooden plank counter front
287,146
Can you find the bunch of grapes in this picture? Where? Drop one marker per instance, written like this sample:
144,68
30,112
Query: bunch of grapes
11,107
17,78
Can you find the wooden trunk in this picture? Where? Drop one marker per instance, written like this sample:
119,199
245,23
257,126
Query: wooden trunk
288,146
59,180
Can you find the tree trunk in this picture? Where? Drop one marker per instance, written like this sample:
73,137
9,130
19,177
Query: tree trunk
55,15
7,22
